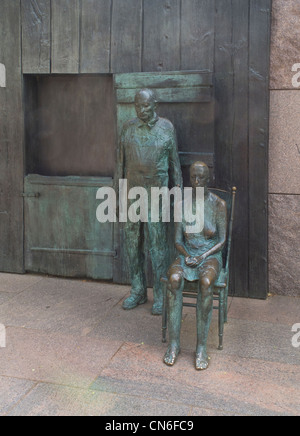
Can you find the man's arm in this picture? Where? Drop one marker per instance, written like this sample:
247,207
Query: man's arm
120,157
120,170
174,162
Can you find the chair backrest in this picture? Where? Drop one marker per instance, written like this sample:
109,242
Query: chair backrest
229,198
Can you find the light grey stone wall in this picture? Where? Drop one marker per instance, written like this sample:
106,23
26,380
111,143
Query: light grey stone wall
284,150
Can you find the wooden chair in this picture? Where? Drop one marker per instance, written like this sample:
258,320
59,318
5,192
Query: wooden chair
221,286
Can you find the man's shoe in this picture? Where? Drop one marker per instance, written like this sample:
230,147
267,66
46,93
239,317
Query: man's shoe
157,308
134,301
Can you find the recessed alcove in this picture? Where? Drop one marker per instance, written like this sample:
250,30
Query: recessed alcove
69,125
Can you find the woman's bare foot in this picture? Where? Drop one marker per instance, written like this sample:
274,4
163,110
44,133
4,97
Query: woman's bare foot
171,355
202,359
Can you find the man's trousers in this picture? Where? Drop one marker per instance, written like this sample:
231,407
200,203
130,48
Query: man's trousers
136,235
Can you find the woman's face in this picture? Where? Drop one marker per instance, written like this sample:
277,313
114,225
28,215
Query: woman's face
199,177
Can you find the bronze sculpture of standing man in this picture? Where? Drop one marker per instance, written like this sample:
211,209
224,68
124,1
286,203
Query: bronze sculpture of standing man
148,158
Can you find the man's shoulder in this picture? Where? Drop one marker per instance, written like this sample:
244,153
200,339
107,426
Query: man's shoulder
165,124
131,123
161,123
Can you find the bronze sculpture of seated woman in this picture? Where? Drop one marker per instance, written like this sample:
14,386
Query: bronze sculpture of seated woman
199,258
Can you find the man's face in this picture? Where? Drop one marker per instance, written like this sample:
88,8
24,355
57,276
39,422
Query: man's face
145,107
199,177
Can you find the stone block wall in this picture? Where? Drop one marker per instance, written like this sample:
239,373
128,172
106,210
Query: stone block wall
284,150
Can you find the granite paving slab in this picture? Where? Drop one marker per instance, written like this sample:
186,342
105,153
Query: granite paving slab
5,296
55,357
12,391
137,325
16,283
275,309
72,350
68,306
54,400
235,384
250,339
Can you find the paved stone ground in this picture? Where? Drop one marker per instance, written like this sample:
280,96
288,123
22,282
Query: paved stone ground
72,350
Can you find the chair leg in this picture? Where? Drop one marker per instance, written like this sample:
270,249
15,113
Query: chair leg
164,315
221,319
226,305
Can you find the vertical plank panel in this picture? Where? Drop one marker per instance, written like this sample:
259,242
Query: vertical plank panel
95,36
36,42
224,84
240,143
161,51
65,36
11,140
197,34
126,44
260,11
197,53
231,147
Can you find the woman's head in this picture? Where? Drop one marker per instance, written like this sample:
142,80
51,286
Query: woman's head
199,175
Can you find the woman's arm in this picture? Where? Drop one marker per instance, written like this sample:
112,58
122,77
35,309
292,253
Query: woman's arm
179,243
190,261
221,229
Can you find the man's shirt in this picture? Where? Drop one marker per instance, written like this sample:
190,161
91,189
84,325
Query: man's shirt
148,153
